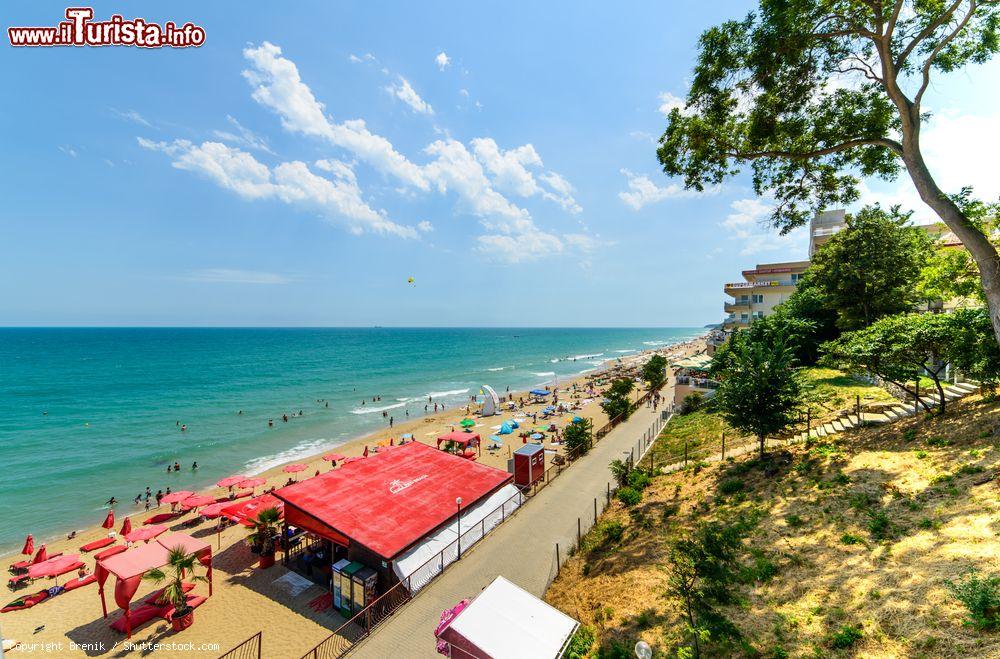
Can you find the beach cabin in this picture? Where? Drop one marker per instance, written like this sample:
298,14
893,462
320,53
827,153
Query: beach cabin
404,514
528,465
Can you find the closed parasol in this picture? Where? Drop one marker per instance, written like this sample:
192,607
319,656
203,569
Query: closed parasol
109,521
126,526
29,546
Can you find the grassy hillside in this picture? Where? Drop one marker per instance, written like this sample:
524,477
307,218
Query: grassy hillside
844,549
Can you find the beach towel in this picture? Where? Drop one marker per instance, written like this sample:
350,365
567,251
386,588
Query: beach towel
293,584
96,544
26,602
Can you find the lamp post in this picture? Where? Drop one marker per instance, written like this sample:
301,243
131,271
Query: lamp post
458,502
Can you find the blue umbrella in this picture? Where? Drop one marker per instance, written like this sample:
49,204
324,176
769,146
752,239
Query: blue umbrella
577,419
496,439
539,392
537,435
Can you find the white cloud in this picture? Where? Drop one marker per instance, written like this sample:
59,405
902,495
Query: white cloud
133,116
530,244
455,169
510,173
293,183
748,225
405,92
68,150
562,191
464,92
425,226
354,58
642,191
277,86
668,102
242,137
442,60
229,276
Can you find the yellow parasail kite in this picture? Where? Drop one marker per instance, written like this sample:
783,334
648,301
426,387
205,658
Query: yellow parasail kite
410,281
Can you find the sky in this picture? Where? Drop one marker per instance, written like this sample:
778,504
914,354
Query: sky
309,159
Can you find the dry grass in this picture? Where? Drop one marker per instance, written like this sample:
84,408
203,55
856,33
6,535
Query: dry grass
940,522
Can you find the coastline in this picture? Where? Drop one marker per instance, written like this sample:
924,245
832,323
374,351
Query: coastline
423,427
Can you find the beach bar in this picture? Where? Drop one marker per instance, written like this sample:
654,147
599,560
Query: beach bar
400,515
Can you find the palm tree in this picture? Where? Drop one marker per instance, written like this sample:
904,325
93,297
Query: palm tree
262,537
181,566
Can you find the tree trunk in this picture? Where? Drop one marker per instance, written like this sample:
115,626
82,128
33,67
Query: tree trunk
978,245
761,438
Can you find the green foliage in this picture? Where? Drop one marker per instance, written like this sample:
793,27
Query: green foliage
691,403
870,269
628,495
181,568
845,637
264,530
579,437
617,404
581,643
981,598
879,525
759,390
654,371
809,319
731,486
638,479
620,470
850,539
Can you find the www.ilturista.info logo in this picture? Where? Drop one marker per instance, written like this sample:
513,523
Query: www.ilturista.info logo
81,30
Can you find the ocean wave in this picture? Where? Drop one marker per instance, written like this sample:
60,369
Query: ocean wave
453,392
498,368
364,409
587,370
297,452
545,374
596,362
657,343
622,352
554,360
596,354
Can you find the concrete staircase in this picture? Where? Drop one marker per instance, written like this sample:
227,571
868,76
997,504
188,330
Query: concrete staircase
885,413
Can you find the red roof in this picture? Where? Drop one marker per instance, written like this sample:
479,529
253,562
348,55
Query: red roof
392,499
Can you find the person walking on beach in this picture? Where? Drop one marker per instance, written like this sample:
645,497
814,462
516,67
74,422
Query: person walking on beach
159,496
390,421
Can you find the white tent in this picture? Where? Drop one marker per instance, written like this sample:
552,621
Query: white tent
507,622
491,404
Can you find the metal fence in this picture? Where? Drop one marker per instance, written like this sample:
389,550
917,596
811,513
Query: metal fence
352,632
248,649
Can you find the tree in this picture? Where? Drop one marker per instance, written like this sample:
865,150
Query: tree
654,372
265,530
758,386
579,437
808,319
871,268
900,349
812,93
182,566
617,403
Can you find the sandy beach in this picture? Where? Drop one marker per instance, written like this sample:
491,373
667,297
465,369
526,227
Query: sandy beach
246,599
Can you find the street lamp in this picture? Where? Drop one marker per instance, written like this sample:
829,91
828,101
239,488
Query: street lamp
458,502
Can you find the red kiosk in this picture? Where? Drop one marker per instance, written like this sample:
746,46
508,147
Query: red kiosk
529,464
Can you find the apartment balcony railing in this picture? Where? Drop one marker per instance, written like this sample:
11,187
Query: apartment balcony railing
730,307
698,383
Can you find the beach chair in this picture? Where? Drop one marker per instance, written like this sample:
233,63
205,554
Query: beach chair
18,582
97,544
22,566
79,582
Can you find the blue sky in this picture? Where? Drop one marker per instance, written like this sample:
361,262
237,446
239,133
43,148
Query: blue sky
307,160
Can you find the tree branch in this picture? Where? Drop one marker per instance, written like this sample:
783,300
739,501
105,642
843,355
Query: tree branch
925,70
892,145
928,30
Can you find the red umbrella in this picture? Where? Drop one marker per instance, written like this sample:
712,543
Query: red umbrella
214,510
145,533
109,521
292,468
29,546
196,501
251,483
176,497
54,566
126,526
41,556
333,457
230,481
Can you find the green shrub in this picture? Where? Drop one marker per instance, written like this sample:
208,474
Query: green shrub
638,479
921,455
730,486
615,650
969,469
579,646
926,523
850,539
845,637
612,531
690,403
861,501
879,525
981,597
909,434
628,495
794,520
778,652
761,570
939,441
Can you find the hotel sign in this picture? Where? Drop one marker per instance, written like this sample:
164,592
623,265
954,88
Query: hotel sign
396,486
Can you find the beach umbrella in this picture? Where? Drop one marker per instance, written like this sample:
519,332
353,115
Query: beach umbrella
53,567
577,419
364,454
176,497
467,423
196,501
126,526
333,457
230,481
214,510
109,521
496,438
539,392
146,533
537,435
251,483
41,556
294,468
29,546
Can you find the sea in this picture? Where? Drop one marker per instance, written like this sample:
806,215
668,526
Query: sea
91,413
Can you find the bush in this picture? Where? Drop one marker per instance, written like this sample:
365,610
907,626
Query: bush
794,521
620,470
981,597
879,525
845,637
691,403
638,480
628,495
612,531
850,539
579,646
579,437
730,486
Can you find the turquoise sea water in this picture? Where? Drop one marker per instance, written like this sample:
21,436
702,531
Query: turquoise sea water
86,414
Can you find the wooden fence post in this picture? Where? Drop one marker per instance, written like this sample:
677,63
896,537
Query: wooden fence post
579,533
557,560
723,446
685,454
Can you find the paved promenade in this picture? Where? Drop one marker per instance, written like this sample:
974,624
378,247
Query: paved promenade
522,549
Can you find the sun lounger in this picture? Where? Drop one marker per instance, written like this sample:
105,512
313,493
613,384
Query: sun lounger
18,582
22,566
73,567
79,582
137,616
111,551
97,544
160,518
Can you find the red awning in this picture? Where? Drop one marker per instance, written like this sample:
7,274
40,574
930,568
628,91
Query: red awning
244,512
461,438
390,500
